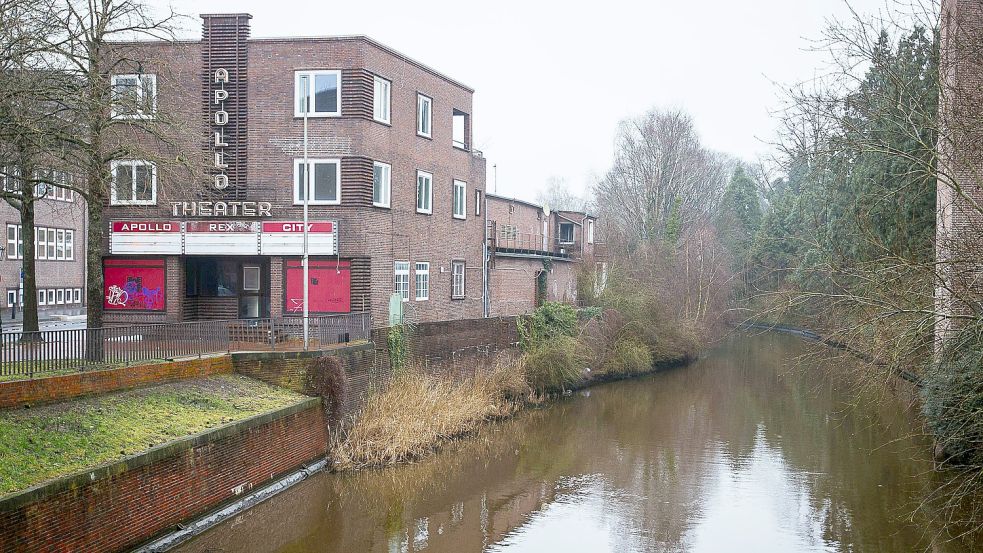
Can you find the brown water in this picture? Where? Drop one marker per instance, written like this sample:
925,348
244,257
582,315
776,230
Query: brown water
749,449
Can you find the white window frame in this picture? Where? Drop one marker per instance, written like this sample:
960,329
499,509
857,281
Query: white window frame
133,163
51,296
312,74
387,185
42,296
402,269
298,185
140,95
77,296
429,179
253,270
60,244
40,245
573,233
382,100
425,131
11,297
590,231
477,202
15,247
60,295
460,195
421,281
455,275
69,245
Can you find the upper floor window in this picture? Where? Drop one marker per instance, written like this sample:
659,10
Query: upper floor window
477,203
318,93
134,96
424,192
566,233
380,102
10,175
460,129
325,181
460,199
134,183
590,231
15,242
422,273
424,115
381,184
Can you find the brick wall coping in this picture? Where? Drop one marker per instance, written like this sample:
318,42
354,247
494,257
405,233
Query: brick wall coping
80,479
264,355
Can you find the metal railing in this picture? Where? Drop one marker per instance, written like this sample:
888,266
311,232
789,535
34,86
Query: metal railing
27,354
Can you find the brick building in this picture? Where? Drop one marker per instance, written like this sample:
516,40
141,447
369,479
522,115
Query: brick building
396,191
959,239
535,254
59,248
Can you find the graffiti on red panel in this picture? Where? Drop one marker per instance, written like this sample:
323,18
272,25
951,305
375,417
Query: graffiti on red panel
133,286
329,289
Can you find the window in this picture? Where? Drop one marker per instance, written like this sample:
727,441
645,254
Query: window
402,284
508,232
323,87
61,296
460,130
566,233
60,245
134,96
325,182
590,231
11,298
41,243
15,242
424,192
380,101
422,274
9,178
424,115
77,295
381,184
477,203
51,296
460,199
457,279
41,297
70,245
134,183
250,278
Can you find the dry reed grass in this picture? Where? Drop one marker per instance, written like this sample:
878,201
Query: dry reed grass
420,410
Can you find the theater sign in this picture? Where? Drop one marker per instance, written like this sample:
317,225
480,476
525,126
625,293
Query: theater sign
212,237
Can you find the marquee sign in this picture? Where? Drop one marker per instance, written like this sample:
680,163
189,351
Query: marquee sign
213,237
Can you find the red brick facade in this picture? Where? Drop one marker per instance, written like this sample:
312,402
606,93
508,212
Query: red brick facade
371,237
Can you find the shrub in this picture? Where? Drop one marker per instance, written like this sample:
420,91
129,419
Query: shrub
331,382
397,342
550,321
953,397
554,365
629,356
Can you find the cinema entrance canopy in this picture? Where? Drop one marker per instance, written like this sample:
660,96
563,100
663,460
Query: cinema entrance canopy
226,269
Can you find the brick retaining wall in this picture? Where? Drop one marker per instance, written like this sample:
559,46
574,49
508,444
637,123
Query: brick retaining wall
120,505
18,393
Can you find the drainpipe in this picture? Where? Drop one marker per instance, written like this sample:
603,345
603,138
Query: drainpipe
304,79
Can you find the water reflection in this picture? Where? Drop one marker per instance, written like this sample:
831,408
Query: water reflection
735,453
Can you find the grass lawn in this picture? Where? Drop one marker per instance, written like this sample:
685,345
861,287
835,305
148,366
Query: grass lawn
46,442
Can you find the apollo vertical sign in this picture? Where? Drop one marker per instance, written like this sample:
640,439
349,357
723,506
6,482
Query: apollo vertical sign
287,238
219,121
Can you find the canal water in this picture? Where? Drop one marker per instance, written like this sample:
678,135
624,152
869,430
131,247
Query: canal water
753,448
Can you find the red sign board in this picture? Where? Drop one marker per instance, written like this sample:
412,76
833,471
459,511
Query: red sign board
146,226
330,289
293,227
133,284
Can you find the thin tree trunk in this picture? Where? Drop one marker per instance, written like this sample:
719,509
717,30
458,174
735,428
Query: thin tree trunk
29,264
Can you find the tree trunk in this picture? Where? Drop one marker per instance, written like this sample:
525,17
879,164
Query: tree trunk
29,265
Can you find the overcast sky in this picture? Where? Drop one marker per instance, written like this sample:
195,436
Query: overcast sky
552,80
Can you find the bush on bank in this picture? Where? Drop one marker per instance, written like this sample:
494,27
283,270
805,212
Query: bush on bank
554,366
953,397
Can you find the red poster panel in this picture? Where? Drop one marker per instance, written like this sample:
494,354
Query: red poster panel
330,288
133,284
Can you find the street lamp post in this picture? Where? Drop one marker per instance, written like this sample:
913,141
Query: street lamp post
304,79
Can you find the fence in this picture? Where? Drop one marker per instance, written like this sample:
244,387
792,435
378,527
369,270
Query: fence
26,354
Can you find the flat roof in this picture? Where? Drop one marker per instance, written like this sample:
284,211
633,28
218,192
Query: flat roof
516,200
